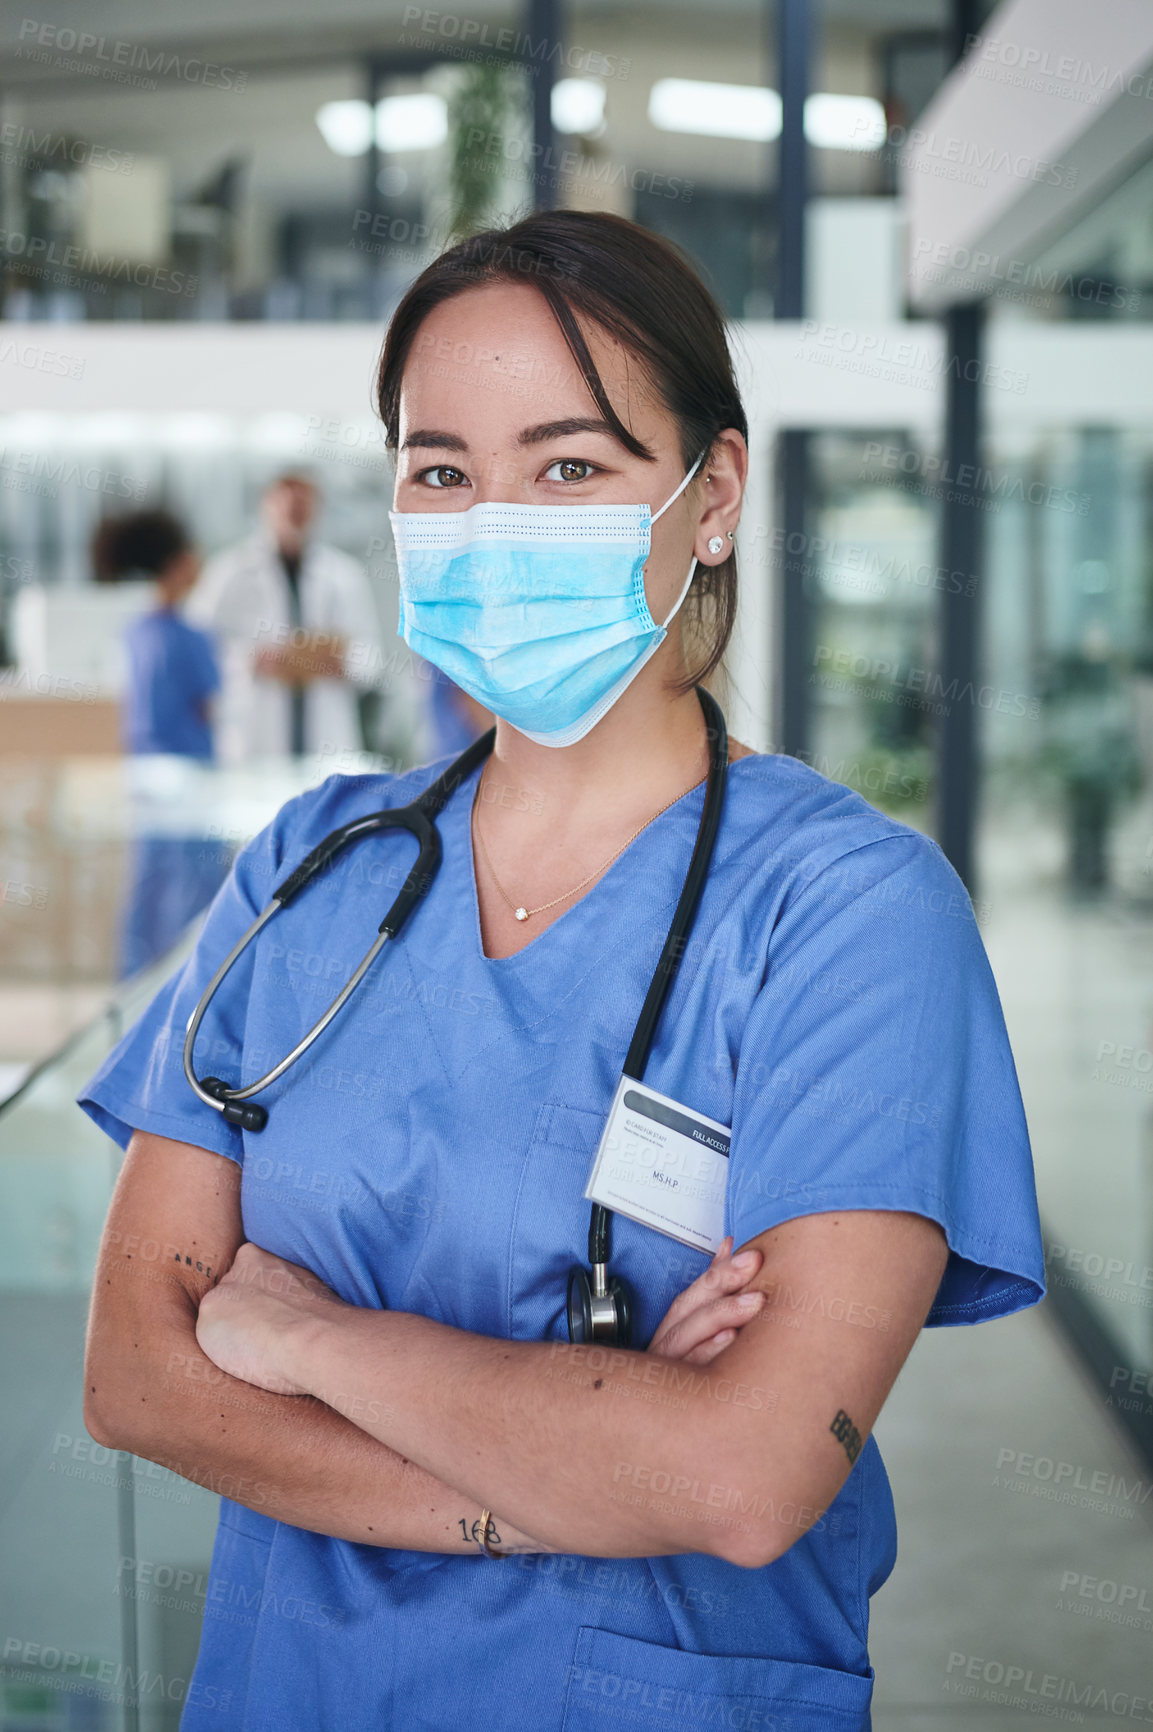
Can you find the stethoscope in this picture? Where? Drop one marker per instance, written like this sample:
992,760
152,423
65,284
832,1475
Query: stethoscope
599,1305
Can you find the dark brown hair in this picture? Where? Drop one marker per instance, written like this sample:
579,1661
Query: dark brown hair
141,541
642,290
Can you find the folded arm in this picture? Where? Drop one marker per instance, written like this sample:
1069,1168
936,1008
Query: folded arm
173,1232
612,1453
173,1229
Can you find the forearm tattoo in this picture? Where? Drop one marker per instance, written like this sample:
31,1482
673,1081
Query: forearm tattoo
846,1433
195,1263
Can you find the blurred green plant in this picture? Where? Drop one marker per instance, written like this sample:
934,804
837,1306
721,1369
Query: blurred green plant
896,780
1091,753
480,113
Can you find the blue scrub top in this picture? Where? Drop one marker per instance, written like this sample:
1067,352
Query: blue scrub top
172,673
835,1007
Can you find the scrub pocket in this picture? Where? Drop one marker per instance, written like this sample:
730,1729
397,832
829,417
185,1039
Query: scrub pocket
616,1681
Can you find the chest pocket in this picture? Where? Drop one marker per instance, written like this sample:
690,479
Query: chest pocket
550,1234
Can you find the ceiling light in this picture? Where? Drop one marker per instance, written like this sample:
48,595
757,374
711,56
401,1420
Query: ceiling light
411,122
844,122
346,127
578,105
753,112
715,110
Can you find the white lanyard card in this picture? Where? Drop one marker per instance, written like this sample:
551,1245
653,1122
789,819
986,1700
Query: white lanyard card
662,1164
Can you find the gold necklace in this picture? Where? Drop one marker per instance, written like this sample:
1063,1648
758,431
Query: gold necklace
520,911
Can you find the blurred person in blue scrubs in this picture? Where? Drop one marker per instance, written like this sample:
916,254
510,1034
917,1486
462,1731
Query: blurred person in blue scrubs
358,1328
172,670
172,679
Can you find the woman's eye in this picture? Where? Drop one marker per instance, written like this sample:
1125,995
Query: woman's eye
442,476
571,469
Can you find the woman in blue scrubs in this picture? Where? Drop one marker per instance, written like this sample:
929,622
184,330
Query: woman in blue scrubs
352,1323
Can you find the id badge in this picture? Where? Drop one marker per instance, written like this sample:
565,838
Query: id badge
662,1164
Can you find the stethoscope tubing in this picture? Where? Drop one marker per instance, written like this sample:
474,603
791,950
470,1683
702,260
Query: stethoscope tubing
301,1046
419,818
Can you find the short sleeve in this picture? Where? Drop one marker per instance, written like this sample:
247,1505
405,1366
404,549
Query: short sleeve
141,1084
875,1072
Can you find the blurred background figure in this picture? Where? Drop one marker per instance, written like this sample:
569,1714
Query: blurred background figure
172,671
172,677
297,633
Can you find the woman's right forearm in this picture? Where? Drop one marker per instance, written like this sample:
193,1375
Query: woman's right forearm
151,1390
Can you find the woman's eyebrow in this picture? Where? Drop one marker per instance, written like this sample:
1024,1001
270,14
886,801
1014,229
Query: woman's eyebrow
433,440
561,429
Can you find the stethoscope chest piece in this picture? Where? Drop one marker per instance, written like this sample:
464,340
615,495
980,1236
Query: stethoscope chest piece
599,1318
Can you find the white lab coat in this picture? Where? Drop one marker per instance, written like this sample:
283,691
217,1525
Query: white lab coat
243,599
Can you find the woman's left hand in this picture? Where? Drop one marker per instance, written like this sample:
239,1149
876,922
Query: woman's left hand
709,1315
249,1320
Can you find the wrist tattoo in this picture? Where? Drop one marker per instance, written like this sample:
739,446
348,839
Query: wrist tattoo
472,1533
846,1433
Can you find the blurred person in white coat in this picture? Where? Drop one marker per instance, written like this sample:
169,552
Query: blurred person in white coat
297,633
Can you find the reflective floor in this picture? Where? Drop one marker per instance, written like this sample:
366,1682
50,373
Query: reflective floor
1000,1564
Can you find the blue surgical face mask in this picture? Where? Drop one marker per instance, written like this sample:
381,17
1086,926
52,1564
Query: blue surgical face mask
536,611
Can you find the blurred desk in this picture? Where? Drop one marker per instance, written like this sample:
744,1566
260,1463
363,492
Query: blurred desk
105,859
57,727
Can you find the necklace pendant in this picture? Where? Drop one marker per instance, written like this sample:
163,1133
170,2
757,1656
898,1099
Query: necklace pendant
521,913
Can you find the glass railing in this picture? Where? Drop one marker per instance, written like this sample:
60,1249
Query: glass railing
105,1556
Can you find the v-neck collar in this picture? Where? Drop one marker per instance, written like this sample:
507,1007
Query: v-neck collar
527,950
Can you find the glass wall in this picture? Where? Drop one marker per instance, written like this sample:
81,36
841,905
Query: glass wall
1064,704
872,578
1066,855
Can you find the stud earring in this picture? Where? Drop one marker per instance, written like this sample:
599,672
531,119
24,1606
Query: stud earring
715,544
